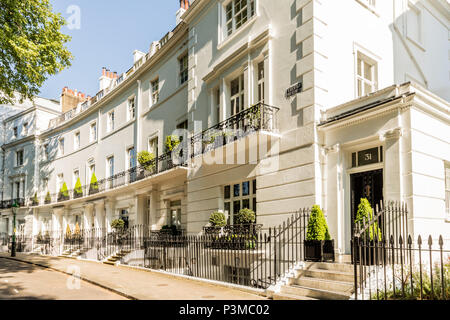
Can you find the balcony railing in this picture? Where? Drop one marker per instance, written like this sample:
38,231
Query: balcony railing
260,117
7,204
138,173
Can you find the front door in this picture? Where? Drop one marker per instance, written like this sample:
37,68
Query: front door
367,185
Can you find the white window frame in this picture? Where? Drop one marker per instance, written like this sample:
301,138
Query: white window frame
411,7
61,147
77,140
239,96
59,181
370,5
229,22
154,94
74,176
110,121
90,171
128,157
183,70
22,158
361,59
93,135
25,129
250,197
152,146
261,82
131,108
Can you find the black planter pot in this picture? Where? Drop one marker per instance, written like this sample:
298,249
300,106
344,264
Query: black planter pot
319,251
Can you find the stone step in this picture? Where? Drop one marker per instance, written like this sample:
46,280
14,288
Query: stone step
314,293
110,263
327,275
335,286
285,296
344,258
341,267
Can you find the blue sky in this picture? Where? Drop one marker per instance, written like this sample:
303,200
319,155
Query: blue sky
109,33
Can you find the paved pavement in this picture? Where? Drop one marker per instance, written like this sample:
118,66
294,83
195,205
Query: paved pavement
22,281
134,283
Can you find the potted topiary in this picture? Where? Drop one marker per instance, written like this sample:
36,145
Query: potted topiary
68,235
118,225
78,190
147,160
63,193
172,142
48,198
35,201
93,186
318,244
373,233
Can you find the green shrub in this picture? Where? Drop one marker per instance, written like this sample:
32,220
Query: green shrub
218,219
365,212
246,216
145,159
317,226
64,192
118,224
172,142
78,190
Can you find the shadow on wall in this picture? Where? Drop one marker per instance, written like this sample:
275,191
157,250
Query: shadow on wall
415,40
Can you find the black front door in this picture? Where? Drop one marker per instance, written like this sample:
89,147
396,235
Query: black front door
367,185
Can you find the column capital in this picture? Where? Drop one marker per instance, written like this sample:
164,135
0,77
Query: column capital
332,149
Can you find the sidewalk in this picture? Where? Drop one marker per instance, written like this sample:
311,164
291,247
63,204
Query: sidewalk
138,284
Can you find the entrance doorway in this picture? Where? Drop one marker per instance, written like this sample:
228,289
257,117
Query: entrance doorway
367,185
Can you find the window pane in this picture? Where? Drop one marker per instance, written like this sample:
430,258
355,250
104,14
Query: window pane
367,88
360,88
254,186
237,192
367,71
226,208
227,192
246,188
246,204
359,67
236,209
254,205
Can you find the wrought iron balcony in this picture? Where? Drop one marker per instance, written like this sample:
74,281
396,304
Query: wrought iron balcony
7,204
260,117
138,173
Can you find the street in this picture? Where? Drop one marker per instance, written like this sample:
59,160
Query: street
22,281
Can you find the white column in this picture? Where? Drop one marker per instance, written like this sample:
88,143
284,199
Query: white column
99,215
110,210
36,224
88,216
393,172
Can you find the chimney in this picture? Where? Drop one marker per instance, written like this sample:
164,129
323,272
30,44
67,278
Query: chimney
70,99
106,79
137,55
184,5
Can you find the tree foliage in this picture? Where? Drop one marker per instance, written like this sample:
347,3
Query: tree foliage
32,47
317,225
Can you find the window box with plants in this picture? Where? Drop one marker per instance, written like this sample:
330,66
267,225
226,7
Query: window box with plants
93,186
318,244
242,236
370,242
48,198
63,193
78,190
34,201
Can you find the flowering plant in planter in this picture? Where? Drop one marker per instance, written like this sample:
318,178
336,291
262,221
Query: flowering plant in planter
146,160
78,190
318,243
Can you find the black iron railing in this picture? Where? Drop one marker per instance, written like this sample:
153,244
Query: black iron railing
390,264
7,204
256,118
138,173
247,255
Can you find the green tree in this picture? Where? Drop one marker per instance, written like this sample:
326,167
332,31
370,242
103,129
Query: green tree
32,47
317,225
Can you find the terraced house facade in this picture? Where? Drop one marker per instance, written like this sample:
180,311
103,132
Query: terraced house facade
280,105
